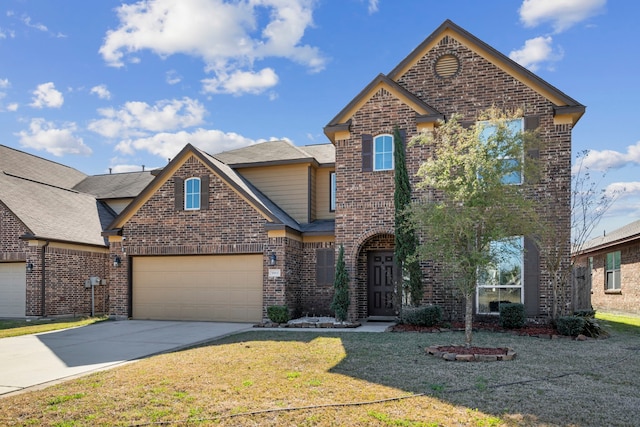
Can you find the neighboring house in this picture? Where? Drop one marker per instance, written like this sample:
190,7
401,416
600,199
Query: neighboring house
613,262
51,219
224,236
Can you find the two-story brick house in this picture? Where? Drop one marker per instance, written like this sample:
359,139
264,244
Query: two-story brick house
224,236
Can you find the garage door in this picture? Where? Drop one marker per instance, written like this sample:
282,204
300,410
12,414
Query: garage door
224,288
13,292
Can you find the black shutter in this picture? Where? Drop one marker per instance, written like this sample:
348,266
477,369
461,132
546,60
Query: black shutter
367,153
179,193
531,278
531,123
204,192
325,267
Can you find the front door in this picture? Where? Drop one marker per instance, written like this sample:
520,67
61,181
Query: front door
380,284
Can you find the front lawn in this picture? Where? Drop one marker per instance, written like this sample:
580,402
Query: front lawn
14,328
295,378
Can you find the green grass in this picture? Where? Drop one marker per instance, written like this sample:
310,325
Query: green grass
620,323
14,328
329,378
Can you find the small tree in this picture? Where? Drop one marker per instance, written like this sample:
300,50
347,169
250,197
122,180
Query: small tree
340,302
588,205
405,238
470,205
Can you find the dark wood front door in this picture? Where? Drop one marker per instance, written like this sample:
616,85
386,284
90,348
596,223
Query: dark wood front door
380,284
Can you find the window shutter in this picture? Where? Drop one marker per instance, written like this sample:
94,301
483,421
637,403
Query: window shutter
179,193
531,123
204,192
367,153
325,266
531,278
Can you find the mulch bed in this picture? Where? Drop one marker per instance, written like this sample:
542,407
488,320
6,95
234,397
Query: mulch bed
533,330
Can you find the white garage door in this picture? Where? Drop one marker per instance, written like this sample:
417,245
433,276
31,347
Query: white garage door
224,288
13,292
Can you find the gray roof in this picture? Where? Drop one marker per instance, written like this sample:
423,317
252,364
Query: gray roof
621,235
276,152
115,186
19,163
54,213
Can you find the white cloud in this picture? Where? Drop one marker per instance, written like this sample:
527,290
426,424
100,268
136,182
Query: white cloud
562,14
373,6
137,119
43,135
535,52
241,82
4,83
167,145
46,95
101,91
609,159
623,189
12,107
226,35
172,77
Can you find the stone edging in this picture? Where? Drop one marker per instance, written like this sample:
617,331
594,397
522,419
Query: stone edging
453,357
309,325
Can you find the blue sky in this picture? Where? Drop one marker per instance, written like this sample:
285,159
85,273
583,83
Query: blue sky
110,84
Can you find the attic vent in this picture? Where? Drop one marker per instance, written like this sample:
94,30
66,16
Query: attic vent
447,66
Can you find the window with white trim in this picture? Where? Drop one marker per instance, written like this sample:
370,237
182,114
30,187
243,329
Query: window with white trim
192,194
503,282
514,126
612,271
383,152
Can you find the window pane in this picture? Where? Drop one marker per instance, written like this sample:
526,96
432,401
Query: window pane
332,196
489,299
192,193
383,152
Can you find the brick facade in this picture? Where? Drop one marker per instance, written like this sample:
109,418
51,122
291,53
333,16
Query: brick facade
627,299
365,207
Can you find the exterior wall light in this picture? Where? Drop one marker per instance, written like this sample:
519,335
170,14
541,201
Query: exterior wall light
29,267
272,258
117,261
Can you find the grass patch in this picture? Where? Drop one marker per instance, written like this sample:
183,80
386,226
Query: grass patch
15,328
273,378
620,323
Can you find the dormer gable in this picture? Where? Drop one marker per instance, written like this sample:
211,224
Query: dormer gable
339,126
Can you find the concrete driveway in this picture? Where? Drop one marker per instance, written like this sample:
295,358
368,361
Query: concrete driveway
33,361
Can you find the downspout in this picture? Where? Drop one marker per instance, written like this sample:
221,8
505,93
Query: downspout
42,279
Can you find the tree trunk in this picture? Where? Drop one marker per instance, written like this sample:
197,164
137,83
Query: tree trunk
468,320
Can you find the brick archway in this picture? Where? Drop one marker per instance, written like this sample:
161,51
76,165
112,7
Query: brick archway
382,241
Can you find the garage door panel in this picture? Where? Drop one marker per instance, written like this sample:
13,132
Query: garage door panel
13,291
220,288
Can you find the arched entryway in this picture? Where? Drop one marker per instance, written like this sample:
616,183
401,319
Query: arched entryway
376,277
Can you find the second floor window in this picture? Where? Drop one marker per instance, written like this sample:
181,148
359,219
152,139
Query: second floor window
383,152
192,194
612,273
512,165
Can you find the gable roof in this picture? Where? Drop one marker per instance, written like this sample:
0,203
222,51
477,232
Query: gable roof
276,153
423,110
19,163
625,234
54,213
269,210
115,186
448,28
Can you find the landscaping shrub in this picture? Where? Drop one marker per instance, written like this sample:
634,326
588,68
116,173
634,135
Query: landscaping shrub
512,316
570,325
429,315
278,313
585,313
